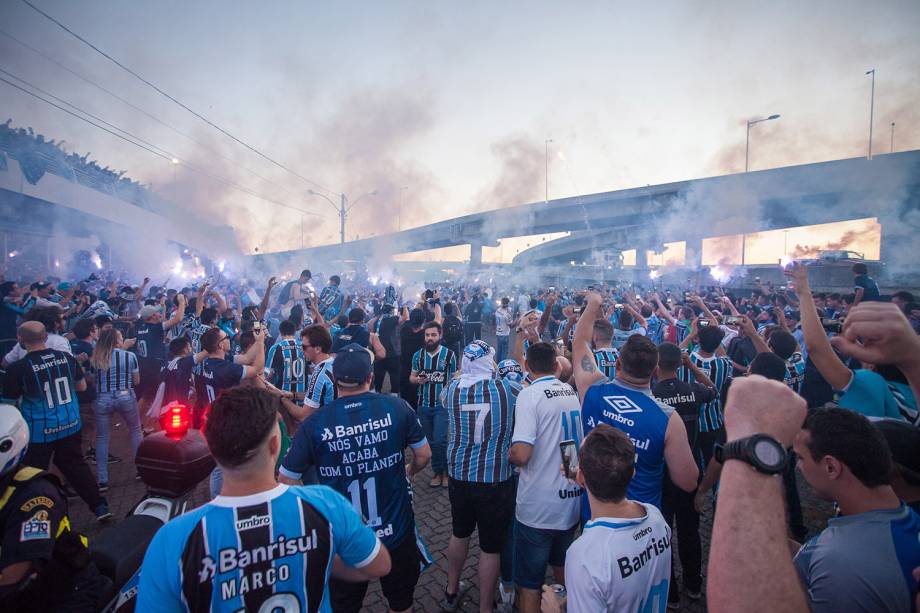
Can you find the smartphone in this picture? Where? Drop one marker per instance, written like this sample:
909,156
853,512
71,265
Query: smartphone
577,310
569,458
618,306
703,323
307,302
732,320
256,326
832,325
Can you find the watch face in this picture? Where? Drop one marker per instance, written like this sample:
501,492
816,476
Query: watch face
768,452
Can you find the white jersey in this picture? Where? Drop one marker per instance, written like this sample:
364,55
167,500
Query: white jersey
620,565
546,413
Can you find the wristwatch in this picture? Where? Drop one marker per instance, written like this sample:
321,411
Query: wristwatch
761,451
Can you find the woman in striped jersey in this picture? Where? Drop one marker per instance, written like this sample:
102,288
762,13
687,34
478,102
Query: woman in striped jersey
116,372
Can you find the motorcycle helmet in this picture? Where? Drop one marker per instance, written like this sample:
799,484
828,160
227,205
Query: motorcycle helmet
14,438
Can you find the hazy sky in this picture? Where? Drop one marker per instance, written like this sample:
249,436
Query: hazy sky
454,101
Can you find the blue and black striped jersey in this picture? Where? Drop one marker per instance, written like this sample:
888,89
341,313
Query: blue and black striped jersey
46,381
719,371
606,360
321,388
439,369
195,331
289,366
330,302
119,376
270,551
480,422
654,329
795,372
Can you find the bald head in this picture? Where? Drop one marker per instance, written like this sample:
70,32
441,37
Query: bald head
32,333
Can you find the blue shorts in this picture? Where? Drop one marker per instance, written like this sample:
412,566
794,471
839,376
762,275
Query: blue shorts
534,549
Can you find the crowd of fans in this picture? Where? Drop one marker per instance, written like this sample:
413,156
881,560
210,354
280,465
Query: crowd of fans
600,423
37,155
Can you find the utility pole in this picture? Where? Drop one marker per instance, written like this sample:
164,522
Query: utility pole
892,137
871,110
342,213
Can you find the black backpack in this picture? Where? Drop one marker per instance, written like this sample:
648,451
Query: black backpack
453,330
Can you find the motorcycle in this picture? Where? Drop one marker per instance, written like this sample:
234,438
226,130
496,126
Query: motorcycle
171,463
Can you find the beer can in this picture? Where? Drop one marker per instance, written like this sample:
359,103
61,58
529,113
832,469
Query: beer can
558,590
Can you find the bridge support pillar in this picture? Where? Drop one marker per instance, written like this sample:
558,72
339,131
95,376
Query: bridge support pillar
475,254
693,257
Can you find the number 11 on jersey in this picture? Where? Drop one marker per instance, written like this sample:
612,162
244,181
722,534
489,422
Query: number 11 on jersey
370,489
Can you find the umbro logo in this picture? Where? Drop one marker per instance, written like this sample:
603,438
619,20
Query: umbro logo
622,404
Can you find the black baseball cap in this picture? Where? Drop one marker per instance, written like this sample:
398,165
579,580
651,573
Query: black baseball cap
352,364
39,285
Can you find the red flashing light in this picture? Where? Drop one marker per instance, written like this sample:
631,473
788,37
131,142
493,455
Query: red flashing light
176,421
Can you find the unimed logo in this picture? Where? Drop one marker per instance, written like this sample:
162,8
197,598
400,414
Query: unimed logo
622,404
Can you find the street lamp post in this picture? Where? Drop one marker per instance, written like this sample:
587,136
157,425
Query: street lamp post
892,137
546,169
871,110
342,209
747,142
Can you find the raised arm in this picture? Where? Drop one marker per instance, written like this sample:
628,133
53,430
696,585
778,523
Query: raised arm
879,333
700,303
199,301
759,344
637,315
377,347
139,292
583,364
173,321
263,306
666,314
255,355
731,306
221,303
750,515
817,344
526,324
318,319
547,312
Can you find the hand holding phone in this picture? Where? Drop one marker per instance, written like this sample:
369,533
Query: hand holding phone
569,458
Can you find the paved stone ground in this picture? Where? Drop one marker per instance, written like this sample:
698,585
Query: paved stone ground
432,514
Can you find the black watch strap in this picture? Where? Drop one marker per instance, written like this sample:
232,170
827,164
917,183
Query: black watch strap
743,449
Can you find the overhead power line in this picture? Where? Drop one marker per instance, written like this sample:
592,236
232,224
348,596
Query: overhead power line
172,98
138,142
139,109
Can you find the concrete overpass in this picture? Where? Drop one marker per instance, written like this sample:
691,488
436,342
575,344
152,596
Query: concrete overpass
887,187
56,206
